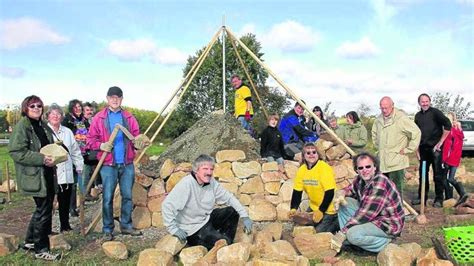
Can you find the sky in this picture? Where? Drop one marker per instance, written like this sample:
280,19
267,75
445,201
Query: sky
343,51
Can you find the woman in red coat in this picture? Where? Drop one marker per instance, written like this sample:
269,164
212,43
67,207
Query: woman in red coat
452,151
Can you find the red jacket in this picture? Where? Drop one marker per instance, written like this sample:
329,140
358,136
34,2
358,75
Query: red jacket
452,147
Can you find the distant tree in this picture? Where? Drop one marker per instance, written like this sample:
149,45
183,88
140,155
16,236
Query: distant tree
3,121
327,111
204,94
442,101
363,109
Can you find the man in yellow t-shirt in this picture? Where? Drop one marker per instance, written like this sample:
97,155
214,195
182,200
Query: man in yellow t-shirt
316,178
243,110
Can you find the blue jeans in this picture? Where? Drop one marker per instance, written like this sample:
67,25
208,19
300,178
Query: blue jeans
279,160
245,124
124,175
367,236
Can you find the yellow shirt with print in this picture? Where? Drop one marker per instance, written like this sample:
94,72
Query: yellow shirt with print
240,104
315,182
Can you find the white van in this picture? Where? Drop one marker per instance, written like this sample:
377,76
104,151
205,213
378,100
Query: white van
468,129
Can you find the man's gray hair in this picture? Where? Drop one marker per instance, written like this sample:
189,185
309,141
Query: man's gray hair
202,160
52,107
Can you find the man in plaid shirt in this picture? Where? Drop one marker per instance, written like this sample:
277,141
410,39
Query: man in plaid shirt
371,212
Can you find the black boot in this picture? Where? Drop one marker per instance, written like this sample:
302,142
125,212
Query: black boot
462,194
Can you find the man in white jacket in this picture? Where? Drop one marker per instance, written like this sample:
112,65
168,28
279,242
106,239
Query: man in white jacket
188,210
64,170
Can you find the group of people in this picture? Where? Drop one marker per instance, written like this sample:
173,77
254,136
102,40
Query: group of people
368,213
85,137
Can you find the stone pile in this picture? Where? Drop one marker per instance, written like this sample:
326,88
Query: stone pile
260,186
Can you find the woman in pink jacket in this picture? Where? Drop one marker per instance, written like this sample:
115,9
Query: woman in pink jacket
452,151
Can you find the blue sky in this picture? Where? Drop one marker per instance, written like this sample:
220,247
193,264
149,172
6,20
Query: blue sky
346,52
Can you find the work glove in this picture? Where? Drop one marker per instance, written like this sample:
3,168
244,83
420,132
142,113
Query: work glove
105,146
317,216
141,141
247,225
292,213
181,235
337,240
247,115
339,199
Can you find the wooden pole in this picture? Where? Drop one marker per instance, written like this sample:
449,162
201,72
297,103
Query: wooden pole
7,176
206,52
289,91
178,88
249,78
422,196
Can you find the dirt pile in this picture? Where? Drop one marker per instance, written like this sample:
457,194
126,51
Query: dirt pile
214,132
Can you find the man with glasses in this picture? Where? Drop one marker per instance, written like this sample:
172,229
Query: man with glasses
394,135
118,165
370,210
316,178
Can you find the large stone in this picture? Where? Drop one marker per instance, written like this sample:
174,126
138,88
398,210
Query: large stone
298,230
141,218
234,252
167,168
271,166
189,256
245,199
4,186
340,171
393,255
252,186
314,246
449,203
143,180
272,176
154,204
150,173
155,257
431,259
8,244
57,152
273,187
157,188
223,171
229,156
286,190
291,170
335,152
273,199
323,145
139,195
245,170
58,242
262,210
275,230
231,187
279,250
413,248
156,219
211,256
170,244
262,239
346,262
233,180
184,167
282,211
174,179
115,250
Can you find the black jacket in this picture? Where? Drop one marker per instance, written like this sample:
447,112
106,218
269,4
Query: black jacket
431,123
271,143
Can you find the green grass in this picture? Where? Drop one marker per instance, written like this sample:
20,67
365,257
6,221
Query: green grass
155,149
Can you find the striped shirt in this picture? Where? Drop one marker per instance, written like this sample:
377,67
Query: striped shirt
380,204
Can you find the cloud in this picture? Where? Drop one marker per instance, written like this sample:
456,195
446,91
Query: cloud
23,32
131,50
247,28
291,36
170,56
135,50
12,72
362,49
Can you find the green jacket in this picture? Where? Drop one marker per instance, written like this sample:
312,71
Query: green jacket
357,133
24,148
398,133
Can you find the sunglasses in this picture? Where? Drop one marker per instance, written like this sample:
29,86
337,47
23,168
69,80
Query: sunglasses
366,167
310,152
32,106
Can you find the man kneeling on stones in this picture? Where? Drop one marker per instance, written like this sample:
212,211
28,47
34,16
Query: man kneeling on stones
371,212
316,178
188,210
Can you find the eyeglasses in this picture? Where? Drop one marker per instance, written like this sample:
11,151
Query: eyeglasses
32,106
366,167
310,152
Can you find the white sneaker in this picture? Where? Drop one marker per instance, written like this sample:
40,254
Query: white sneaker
47,256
